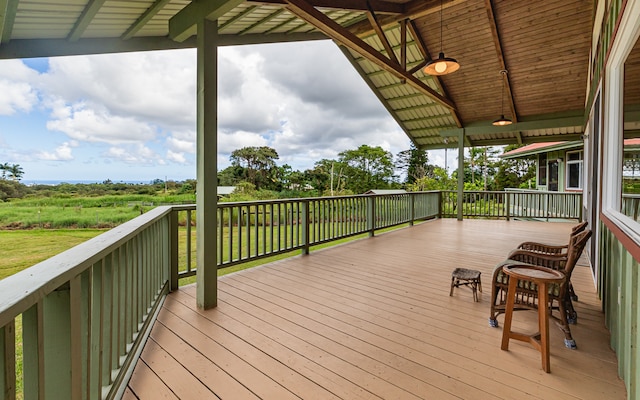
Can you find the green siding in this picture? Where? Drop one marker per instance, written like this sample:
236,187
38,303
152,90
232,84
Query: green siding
619,289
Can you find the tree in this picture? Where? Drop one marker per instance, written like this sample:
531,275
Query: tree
4,168
367,168
437,180
14,171
514,173
259,164
481,163
414,163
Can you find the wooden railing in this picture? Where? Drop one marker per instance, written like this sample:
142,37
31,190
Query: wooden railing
252,230
514,203
85,313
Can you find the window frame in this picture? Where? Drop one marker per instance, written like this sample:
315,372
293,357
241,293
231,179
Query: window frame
580,163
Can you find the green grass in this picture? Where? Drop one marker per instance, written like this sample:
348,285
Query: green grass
23,248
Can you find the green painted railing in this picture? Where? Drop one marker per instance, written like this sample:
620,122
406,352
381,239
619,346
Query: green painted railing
84,313
514,203
631,206
252,230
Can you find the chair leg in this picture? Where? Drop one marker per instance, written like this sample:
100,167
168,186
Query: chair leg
495,292
564,325
452,286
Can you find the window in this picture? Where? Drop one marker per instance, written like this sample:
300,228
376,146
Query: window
542,169
574,170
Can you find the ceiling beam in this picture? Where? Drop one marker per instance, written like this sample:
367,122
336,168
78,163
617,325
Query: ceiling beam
506,141
381,7
500,54
183,24
88,14
28,48
485,128
237,17
316,18
8,11
144,18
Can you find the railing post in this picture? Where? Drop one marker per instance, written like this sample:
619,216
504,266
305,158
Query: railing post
412,211
305,227
440,200
371,215
173,250
507,204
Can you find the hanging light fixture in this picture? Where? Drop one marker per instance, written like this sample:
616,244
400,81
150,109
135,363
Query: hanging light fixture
502,121
441,65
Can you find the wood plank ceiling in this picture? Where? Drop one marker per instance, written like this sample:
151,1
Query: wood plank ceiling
544,46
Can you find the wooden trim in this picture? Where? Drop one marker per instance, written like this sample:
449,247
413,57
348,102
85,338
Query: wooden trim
629,244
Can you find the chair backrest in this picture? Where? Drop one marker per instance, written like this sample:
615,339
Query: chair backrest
579,228
576,246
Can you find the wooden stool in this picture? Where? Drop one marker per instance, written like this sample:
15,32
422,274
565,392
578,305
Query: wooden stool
542,277
466,277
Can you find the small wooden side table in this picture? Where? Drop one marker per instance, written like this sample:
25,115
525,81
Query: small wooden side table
542,277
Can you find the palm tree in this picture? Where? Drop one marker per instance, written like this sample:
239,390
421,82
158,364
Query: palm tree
15,172
4,167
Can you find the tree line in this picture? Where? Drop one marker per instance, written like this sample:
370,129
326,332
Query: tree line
254,170
256,174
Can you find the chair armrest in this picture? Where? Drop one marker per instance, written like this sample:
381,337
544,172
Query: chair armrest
553,261
543,248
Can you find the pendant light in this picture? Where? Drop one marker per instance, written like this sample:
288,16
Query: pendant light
441,65
502,121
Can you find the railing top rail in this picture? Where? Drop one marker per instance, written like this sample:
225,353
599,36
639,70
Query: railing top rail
534,191
22,290
324,198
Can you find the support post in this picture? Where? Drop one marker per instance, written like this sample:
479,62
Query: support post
173,250
459,203
371,215
206,154
305,226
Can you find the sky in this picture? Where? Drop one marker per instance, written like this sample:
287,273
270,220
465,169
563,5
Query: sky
131,117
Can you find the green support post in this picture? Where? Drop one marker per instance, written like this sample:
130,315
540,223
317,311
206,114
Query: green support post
460,203
206,149
412,211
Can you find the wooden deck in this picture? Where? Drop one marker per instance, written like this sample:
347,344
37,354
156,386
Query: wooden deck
373,319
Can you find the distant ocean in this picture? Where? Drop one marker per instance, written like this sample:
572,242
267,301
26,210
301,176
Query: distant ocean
74,181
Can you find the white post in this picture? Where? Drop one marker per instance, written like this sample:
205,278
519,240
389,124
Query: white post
207,165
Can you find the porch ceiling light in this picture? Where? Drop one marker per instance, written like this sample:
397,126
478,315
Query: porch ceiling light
441,65
502,121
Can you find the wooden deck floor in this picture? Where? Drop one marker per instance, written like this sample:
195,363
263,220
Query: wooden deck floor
373,319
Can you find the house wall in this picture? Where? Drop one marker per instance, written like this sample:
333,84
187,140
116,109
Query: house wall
615,30
620,291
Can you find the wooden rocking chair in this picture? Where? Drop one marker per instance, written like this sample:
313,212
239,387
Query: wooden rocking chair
526,295
555,250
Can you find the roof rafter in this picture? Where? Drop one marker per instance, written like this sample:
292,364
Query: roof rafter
316,18
144,18
382,7
88,14
503,64
8,10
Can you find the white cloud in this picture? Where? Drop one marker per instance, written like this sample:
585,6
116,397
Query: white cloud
82,123
17,92
138,154
176,157
61,153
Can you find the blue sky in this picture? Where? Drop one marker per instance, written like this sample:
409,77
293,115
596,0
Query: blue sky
131,117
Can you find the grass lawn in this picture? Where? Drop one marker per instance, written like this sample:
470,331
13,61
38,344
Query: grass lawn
21,249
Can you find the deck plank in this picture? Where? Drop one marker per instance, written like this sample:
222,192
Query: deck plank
373,319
